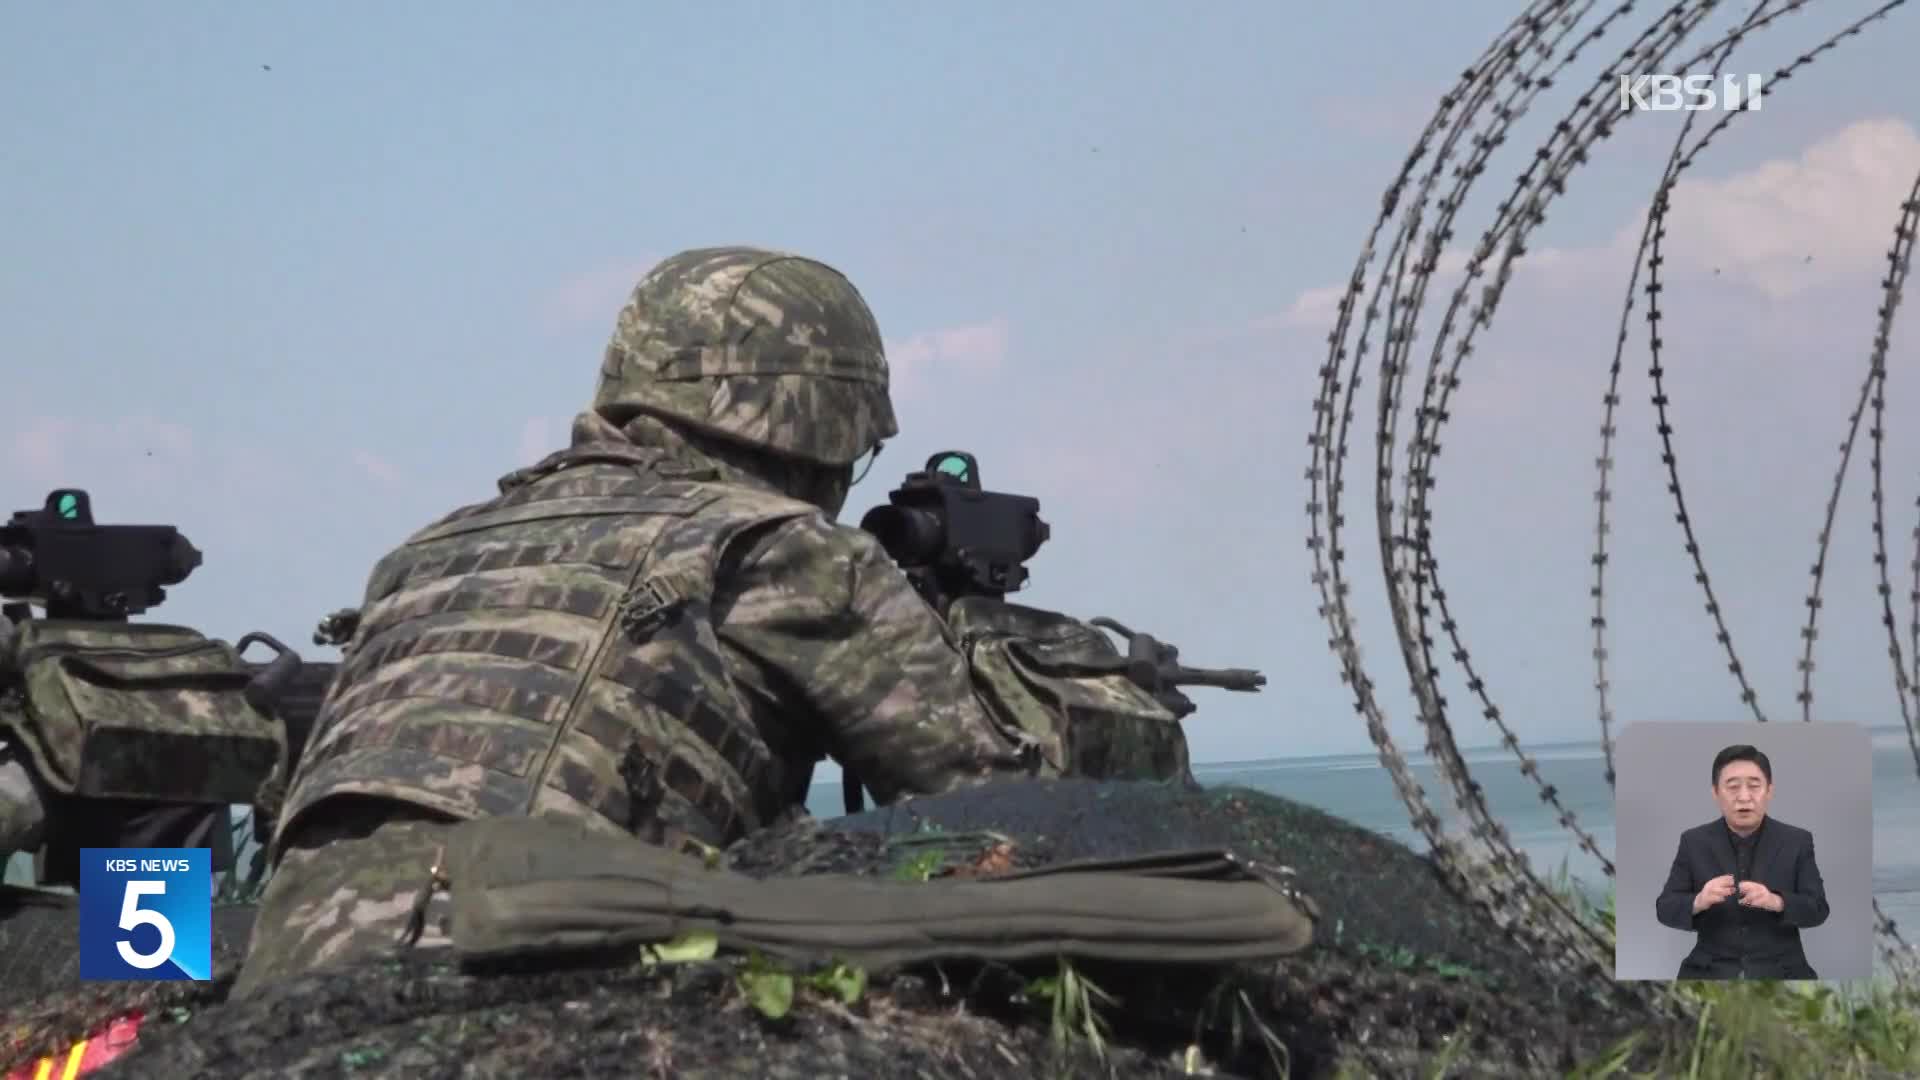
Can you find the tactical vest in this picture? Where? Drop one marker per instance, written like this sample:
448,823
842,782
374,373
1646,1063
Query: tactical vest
552,652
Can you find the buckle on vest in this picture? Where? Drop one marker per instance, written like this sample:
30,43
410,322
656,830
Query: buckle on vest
647,606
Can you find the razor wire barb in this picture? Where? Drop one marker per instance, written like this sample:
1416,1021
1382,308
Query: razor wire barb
1471,122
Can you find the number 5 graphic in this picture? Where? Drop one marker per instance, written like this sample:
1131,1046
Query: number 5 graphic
133,915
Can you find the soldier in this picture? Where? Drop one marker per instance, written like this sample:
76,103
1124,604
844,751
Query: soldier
658,631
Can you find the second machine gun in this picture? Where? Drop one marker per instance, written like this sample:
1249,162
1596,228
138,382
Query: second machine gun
87,574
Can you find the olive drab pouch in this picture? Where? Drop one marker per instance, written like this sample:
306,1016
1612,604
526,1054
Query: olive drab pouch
1062,684
140,711
546,889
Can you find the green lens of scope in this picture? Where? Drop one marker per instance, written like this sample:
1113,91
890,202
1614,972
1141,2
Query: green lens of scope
68,507
953,465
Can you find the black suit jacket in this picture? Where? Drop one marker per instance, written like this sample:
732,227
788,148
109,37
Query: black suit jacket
1736,941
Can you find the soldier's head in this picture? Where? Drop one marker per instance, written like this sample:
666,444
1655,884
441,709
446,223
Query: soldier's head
770,361
1743,786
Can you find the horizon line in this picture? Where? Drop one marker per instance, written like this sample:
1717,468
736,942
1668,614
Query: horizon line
1478,748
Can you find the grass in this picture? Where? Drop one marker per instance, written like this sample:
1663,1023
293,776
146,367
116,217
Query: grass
1075,1005
1777,1029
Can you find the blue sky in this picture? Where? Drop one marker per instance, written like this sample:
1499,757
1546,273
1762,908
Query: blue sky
300,311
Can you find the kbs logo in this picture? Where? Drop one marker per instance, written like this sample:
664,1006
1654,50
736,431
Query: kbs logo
1691,93
146,913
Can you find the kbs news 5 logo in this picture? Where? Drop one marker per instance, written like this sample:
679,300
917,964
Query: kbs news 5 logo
146,913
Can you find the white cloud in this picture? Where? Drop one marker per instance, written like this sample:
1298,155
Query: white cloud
1782,228
1317,308
976,349
1314,309
1797,223
381,470
593,297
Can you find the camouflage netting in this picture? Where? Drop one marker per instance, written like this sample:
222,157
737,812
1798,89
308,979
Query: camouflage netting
1403,972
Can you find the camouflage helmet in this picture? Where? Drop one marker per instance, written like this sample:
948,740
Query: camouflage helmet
761,347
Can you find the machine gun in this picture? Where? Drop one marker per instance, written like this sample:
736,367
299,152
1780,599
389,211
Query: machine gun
954,538
77,570
58,557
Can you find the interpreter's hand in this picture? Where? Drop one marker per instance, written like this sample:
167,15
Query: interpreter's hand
1713,892
1754,894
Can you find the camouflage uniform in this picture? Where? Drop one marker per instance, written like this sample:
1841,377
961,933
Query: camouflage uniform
23,809
657,631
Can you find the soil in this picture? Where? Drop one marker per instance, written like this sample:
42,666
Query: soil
1402,974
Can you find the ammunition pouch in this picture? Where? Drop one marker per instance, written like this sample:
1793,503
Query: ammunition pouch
1061,684
140,711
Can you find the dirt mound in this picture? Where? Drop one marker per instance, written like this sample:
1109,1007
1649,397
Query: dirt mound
1403,973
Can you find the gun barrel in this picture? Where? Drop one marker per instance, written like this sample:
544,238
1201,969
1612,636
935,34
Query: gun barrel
1241,679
